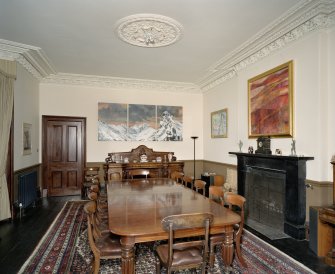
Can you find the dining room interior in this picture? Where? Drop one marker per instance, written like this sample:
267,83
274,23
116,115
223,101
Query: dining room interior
168,108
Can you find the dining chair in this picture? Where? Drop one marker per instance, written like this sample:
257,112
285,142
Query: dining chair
233,201
103,247
191,253
91,177
200,185
177,176
101,213
138,173
102,196
218,180
188,180
216,194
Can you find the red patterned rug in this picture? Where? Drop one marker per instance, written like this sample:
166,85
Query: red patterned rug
65,249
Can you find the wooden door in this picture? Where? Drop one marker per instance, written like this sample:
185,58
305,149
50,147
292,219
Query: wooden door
64,154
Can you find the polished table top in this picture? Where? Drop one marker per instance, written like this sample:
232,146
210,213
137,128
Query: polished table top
136,207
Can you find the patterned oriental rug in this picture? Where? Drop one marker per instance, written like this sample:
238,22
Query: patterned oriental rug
65,249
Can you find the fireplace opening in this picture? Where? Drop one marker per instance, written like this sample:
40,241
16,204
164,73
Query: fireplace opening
265,200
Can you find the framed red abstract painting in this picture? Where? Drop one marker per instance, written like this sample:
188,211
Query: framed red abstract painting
270,102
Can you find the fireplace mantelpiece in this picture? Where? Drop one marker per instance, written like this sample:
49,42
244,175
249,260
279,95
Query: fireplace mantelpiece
295,190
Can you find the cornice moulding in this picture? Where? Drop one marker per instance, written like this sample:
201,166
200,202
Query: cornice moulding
302,19
306,17
121,83
31,58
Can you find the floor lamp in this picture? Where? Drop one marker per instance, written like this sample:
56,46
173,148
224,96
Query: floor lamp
194,138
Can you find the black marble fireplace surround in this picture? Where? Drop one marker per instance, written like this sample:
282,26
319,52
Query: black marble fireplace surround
285,175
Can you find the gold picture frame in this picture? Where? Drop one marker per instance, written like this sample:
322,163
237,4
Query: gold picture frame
270,102
219,123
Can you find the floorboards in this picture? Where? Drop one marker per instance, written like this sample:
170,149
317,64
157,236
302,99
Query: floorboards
19,238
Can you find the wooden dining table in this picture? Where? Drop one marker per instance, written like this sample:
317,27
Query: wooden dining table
136,208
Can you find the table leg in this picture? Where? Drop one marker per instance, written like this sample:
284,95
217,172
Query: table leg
228,247
127,255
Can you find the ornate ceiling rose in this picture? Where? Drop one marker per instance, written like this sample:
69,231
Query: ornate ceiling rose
149,30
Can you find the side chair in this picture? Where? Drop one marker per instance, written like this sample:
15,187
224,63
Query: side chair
216,194
91,177
218,180
188,180
177,176
104,247
233,201
178,255
200,185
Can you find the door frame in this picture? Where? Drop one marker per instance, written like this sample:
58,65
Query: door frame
45,119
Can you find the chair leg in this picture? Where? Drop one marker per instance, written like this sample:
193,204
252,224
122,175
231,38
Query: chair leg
158,266
96,265
238,251
211,256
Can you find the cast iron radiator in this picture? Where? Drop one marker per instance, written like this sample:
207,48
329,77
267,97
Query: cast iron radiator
27,184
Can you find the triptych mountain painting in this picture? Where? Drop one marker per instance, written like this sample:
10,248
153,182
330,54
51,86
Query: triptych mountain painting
134,122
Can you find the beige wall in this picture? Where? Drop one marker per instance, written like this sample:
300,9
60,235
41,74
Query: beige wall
70,100
26,110
313,88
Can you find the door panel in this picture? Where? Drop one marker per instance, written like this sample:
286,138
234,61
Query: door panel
63,154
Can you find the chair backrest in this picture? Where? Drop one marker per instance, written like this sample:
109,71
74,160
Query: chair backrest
235,200
216,194
177,176
94,188
188,180
139,173
218,180
91,174
92,170
173,223
90,208
200,185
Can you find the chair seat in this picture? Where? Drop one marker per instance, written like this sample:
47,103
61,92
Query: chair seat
189,256
108,246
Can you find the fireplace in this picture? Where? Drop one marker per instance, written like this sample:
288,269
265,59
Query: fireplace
265,190
274,187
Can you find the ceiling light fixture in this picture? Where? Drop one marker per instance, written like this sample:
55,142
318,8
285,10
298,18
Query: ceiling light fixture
148,30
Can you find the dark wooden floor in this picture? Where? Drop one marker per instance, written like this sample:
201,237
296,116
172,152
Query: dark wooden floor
19,238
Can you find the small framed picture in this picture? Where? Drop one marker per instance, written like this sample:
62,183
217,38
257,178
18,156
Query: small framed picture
219,123
26,138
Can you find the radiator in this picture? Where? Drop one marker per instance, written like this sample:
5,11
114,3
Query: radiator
27,186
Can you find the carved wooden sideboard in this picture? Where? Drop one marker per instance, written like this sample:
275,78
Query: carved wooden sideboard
159,163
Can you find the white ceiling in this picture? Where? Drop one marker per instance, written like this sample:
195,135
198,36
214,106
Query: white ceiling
78,36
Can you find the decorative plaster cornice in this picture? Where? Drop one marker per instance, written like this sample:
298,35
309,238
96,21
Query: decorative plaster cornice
304,18
148,30
307,16
31,58
121,83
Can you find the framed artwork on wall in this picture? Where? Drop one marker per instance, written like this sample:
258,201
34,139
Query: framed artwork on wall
137,122
26,137
219,123
270,102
